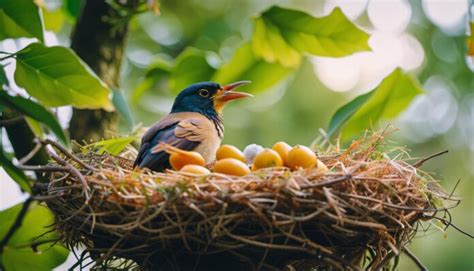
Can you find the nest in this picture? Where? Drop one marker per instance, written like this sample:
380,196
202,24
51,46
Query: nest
359,215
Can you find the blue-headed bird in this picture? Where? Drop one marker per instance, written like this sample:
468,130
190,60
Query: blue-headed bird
194,124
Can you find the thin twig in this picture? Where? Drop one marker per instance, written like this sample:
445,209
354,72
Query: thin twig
414,259
67,153
449,223
422,161
12,121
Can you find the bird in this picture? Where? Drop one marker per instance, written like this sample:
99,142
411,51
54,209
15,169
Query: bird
194,124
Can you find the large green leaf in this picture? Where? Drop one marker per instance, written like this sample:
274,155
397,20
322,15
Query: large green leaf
385,102
20,18
191,67
244,65
15,173
281,35
34,111
18,254
56,76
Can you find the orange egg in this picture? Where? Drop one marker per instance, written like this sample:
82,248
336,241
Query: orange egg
301,157
179,158
229,151
282,148
195,169
267,158
231,166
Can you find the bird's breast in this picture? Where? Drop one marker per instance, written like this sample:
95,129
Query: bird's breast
208,147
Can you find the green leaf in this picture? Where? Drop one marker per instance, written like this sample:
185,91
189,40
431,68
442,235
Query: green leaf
114,146
281,35
385,102
191,67
345,112
56,77
20,18
18,254
34,111
15,173
118,99
46,258
35,127
244,65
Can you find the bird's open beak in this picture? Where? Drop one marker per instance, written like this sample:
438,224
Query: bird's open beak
227,93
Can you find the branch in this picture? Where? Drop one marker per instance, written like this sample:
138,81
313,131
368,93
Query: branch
17,224
422,161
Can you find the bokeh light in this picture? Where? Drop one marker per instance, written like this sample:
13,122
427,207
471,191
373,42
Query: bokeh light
447,15
389,15
351,8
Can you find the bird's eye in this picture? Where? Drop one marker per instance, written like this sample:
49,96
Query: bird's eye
204,93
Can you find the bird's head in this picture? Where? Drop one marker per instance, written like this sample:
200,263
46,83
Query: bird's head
207,97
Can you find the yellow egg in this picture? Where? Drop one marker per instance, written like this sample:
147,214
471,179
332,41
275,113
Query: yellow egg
231,166
267,158
195,169
321,168
229,151
282,148
301,157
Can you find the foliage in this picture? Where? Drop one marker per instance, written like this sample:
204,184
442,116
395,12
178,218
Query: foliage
113,146
20,18
15,173
34,111
386,101
281,38
56,76
30,248
281,35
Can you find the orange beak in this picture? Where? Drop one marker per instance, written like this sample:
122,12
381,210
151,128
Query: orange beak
226,92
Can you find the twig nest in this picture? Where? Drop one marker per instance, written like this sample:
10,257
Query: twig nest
354,204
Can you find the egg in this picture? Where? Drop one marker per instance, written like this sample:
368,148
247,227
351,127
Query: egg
301,157
267,158
282,148
231,166
229,151
195,169
251,151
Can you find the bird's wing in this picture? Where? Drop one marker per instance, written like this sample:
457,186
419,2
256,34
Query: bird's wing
184,134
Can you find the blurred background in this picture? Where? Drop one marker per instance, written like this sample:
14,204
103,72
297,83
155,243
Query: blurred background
426,38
